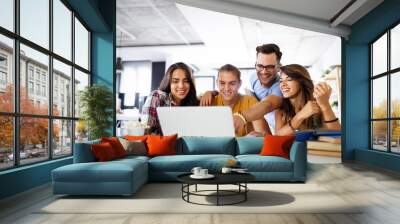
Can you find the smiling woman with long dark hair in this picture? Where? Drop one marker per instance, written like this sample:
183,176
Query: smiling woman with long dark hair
304,105
176,89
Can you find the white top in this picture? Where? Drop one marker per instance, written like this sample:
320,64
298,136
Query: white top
214,121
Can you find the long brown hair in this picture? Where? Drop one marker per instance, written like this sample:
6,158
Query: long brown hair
165,85
301,75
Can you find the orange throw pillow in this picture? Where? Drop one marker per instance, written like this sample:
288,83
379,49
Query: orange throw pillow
103,152
136,138
277,145
161,145
116,145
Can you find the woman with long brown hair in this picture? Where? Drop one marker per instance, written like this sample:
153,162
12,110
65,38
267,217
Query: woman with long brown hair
304,105
176,89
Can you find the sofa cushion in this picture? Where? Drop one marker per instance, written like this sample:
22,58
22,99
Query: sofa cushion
161,145
103,152
249,145
112,171
129,159
135,138
116,145
257,163
185,163
206,145
277,145
136,147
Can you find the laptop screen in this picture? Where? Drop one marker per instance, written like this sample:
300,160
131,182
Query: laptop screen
214,121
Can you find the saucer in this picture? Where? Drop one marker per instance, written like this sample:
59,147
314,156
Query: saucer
240,171
208,176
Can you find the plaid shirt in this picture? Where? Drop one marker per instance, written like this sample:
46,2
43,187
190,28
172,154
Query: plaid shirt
157,98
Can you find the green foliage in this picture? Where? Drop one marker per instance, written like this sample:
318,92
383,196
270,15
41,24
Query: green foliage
96,104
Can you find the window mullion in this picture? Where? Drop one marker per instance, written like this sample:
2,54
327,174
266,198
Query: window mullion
16,84
73,82
50,81
371,50
389,102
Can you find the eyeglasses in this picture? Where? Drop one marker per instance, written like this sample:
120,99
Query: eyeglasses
261,67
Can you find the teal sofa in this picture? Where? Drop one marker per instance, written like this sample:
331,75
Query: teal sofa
125,176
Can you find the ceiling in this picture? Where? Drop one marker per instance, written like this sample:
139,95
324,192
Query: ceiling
210,33
152,23
318,9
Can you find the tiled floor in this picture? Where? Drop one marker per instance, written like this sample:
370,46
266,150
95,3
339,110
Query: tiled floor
323,159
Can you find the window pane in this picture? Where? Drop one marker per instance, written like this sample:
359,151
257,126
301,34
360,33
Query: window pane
81,81
379,98
62,29
34,72
62,89
35,21
33,140
395,94
62,136
379,135
395,138
81,45
6,74
81,131
395,47
6,142
7,14
140,74
379,55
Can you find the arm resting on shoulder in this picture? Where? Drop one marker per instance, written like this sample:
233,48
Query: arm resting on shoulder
261,127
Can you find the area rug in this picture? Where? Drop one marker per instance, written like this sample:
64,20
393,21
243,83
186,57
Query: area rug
167,198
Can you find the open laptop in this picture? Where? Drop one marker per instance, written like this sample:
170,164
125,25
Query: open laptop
196,121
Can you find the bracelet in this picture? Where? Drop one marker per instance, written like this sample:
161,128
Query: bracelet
241,117
291,127
331,121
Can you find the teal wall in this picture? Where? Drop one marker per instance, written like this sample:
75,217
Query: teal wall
24,178
103,53
355,62
99,16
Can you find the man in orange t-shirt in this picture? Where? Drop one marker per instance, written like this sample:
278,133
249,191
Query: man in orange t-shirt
228,83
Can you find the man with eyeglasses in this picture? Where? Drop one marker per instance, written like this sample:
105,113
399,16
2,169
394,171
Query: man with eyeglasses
265,86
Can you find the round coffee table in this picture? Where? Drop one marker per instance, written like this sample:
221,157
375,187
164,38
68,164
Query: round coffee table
238,179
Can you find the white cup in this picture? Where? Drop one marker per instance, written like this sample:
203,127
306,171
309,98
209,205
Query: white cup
226,170
203,172
196,171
